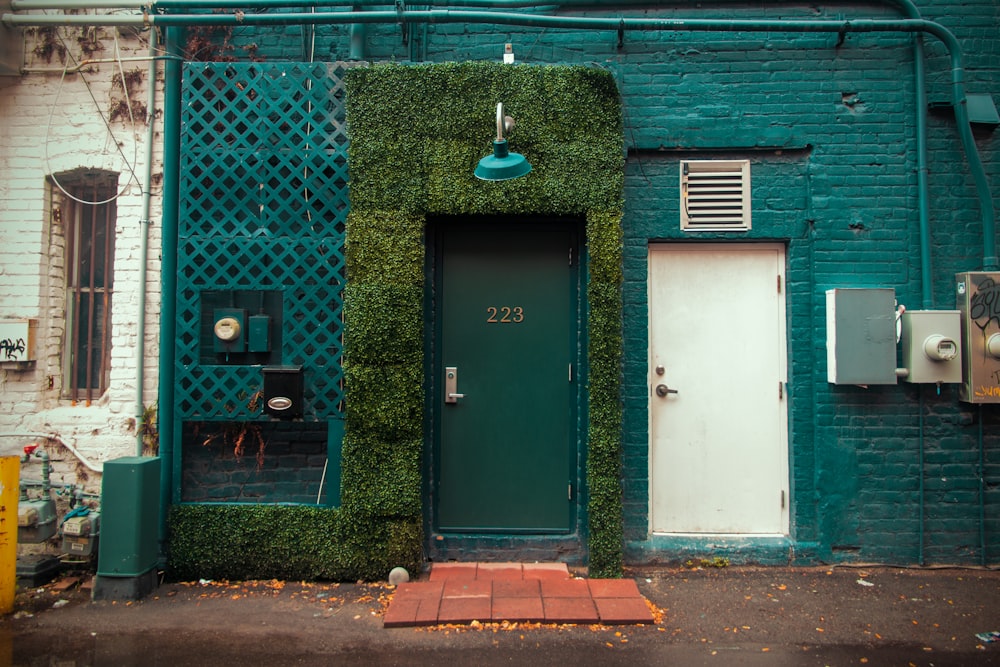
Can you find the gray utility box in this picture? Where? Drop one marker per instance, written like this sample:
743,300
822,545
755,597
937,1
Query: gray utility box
977,296
861,336
932,345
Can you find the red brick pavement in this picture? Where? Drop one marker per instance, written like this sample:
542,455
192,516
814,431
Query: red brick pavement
460,593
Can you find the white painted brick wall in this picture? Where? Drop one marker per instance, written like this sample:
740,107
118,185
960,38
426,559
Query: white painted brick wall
51,123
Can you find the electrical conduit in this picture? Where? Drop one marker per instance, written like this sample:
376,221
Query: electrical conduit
147,180
168,270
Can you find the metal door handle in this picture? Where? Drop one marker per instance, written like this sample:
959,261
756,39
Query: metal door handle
663,390
451,394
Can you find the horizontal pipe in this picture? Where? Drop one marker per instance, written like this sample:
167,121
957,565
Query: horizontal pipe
28,5
906,6
915,26
55,438
103,20
95,61
495,18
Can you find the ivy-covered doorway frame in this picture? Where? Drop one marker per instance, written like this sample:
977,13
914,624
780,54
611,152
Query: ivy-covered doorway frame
417,133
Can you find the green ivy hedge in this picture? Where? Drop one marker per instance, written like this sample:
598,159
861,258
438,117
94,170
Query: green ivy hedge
417,133
284,542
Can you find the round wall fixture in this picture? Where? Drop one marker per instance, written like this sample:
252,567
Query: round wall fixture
279,403
227,329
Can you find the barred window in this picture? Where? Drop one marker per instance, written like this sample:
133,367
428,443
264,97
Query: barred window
88,213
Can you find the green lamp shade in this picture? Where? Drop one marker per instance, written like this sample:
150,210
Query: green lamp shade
502,165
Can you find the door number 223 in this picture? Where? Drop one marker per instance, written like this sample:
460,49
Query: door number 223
504,314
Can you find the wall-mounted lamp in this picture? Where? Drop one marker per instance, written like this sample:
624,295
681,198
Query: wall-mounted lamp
502,165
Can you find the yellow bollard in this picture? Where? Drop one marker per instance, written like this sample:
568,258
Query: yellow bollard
10,470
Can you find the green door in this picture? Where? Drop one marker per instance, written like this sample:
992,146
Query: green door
506,379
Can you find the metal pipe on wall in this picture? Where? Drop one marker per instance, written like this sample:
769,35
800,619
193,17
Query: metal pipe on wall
167,5
147,180
98,468
168,269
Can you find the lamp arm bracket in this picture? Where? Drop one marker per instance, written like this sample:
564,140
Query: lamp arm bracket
499,121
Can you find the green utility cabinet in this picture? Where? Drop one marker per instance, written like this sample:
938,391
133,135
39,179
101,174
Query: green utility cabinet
128,551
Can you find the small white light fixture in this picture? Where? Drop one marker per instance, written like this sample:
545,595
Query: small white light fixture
508,54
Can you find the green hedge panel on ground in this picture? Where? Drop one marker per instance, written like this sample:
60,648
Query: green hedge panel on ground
286,542
255,542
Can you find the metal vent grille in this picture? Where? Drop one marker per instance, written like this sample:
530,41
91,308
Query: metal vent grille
715,195
263,204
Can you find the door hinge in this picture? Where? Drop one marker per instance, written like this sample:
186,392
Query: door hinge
782,499
779,283
569,491
571,372
571,255
781,390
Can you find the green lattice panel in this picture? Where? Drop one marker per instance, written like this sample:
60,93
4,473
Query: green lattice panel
263,203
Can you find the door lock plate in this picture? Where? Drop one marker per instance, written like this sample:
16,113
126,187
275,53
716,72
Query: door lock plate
451,394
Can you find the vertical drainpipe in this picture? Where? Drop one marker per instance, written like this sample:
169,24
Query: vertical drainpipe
926,280
358,36
140,347
990,260
982,491
923,203
910,11
168,268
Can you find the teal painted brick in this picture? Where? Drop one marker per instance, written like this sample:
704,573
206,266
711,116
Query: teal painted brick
846,207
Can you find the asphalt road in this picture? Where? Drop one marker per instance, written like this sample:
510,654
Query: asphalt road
713,616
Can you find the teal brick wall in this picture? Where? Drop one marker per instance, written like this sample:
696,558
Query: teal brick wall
897,474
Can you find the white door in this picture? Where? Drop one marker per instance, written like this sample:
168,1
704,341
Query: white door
718,446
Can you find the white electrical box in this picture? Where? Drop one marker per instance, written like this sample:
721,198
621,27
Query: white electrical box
861,336
932,345
17,340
